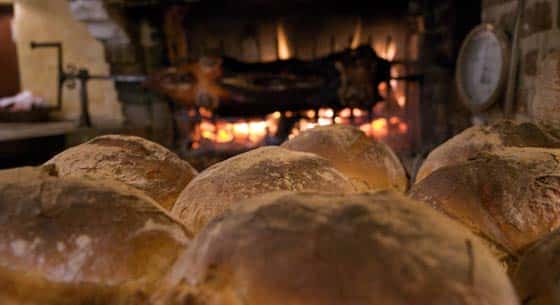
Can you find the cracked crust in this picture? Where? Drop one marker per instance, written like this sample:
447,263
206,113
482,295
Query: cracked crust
263,170
479,139
511,196
78,241
368,164
361,249
134,161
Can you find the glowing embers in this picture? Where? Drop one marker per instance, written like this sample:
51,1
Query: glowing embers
232,134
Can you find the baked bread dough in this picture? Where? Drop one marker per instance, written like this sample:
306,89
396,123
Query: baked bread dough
477,139
369,164
78,241
509,197
263,170
361,249
134,161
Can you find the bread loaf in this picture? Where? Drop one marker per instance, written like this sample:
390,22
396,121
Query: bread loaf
134,161
76,241
536,278
478,139
263,170
370,165
509,197
362,249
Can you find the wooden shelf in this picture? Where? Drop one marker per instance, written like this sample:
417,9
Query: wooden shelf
21,131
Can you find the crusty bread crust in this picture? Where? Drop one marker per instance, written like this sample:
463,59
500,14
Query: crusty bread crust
79,241
134,161
474,140
511,196
362,249
370,165
263,170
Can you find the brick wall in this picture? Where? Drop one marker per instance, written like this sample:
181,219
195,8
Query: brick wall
539,35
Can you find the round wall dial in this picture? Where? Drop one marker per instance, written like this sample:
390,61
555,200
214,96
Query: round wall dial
482,67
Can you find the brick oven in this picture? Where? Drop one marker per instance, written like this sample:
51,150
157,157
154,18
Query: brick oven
226,77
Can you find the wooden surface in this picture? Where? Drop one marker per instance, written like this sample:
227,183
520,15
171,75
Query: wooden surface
19,131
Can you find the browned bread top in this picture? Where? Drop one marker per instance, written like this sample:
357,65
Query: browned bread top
75,233
134,161
370,165
309,248
474,140
263,170
510,196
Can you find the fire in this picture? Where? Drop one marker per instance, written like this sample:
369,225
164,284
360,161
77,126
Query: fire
386,49
282,42
401,100
380,128
384,122
357,34
240,133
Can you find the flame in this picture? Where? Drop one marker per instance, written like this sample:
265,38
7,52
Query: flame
390,52
379,128
345,113
246,133
205,112
282,42
326,113
356,39
358,112
401,100
386,49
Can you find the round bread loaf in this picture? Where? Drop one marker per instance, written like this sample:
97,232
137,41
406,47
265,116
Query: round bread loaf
474,140
361,249
537,274
368,164
263,170
76,241
509,197
134,161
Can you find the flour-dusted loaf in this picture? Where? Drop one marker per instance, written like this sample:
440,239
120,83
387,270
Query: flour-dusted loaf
370,165
478,139
510,197
360,249
79,241
263,170
134,161
536,277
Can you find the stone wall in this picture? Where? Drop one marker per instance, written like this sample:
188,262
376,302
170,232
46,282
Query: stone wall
539,36
40,20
